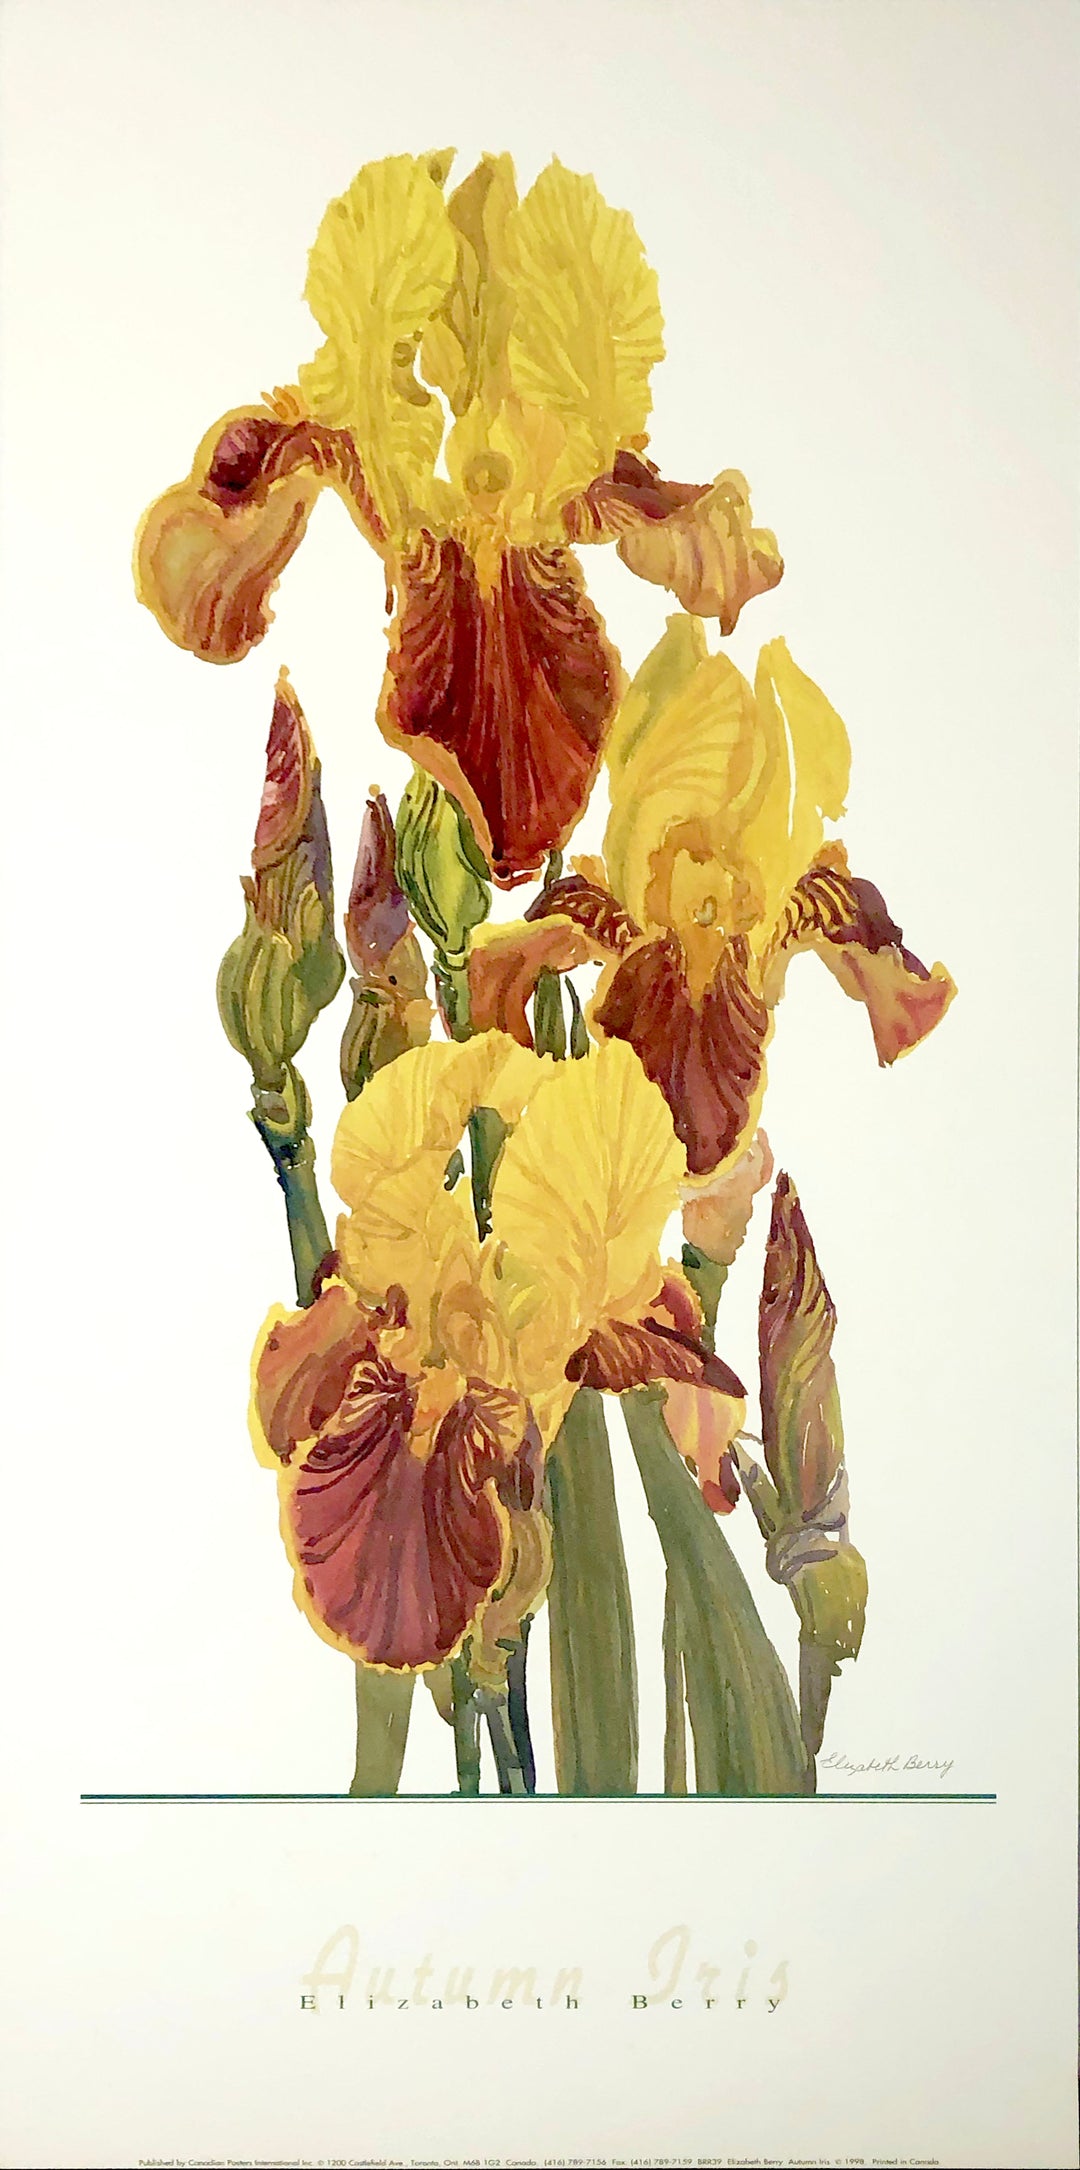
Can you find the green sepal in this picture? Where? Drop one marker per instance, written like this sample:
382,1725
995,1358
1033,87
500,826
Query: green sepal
549,1023
375,1034
579,1031
487,1136
272,984
830,1599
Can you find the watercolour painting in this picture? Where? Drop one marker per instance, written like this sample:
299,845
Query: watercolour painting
511,1153
540,592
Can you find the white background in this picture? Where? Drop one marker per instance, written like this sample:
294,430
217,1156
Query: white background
861,216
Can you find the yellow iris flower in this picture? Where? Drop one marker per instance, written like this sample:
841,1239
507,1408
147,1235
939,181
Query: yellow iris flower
408,1409
479,403
716,870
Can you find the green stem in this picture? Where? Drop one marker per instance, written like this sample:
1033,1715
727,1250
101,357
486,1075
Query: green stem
281,1119
593,1665
706,1277
517,1706
466,1728
503,1745
383,1707
674,1698
742,1711
452,983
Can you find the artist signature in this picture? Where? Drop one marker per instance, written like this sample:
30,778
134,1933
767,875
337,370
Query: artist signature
926,1766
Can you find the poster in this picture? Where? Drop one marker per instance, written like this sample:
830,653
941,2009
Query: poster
862,218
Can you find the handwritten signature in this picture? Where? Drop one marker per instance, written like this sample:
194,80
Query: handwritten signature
938,1767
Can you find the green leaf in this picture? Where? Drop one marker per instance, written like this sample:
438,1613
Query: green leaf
383,1705
742,1711
674,1697
593,1666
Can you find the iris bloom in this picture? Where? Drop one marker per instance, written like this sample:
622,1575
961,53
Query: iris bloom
716,871
479,404
407,1410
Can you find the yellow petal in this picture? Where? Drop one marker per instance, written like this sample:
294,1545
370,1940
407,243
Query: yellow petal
383,261
391,1151
687,751
666,672
583,1190
808,762
464,349
716,1214
588,327
402,1234
423,1103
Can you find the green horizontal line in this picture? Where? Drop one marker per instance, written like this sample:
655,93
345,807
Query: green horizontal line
366,1800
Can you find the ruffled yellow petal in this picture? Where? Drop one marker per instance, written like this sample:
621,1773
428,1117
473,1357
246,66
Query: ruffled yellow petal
382,264
404,1232
588,327
423,1104
390,1156
580,1199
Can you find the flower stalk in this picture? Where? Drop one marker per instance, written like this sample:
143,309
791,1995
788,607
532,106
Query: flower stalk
281,1119
466,1724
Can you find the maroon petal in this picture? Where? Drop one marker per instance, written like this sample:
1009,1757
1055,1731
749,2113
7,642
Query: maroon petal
592,908
504,694
846,921
396,1550
377,917
706,1056
618,1356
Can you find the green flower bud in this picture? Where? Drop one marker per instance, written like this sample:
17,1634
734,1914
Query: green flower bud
802,1504
441,869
